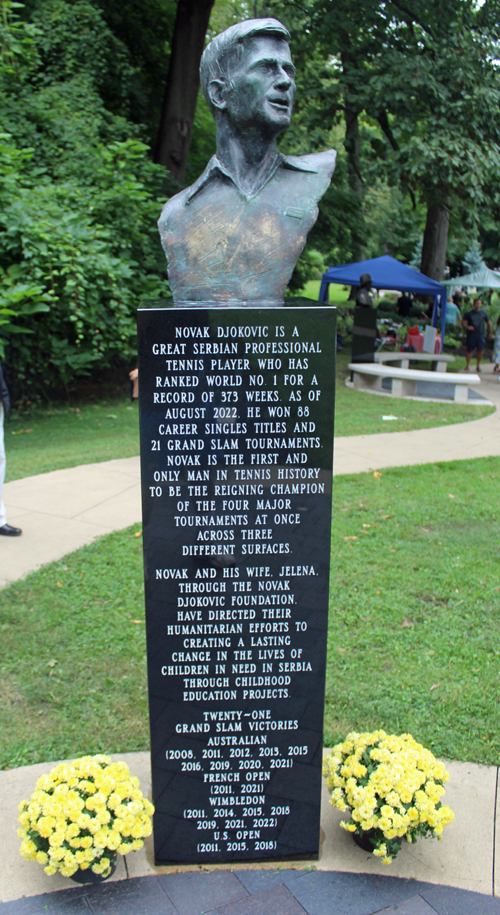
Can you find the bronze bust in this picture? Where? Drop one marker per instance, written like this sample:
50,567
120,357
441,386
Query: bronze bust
364,296
235,235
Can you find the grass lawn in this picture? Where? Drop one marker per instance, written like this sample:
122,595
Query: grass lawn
63,436
414,642
73,674
337,293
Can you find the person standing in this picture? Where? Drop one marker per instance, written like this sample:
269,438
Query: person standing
404,305
6,530
452,313
496,349
474,322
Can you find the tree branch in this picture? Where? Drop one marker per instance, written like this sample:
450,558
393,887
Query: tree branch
386,129
410,17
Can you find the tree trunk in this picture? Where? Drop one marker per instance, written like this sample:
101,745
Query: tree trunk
353,149
183,82
352,146
435,241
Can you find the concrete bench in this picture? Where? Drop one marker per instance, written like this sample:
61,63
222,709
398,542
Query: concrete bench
369,376
439,363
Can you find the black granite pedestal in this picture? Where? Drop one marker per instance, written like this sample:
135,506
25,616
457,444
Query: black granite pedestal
236,463
364,334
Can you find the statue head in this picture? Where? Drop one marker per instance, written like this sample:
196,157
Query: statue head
247,76
365,281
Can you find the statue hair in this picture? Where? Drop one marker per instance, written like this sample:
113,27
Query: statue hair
225,50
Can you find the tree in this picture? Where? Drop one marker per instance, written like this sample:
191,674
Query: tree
183,82
447,141
425,73
78,241
473,259
145,28
357,30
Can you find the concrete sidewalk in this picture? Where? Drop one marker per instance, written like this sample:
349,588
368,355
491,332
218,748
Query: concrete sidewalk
63,510
66,509
466,858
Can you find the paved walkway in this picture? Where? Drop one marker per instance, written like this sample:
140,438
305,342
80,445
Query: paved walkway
260,892
66,509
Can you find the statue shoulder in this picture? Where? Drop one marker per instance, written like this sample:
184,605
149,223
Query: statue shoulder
322,162
171,209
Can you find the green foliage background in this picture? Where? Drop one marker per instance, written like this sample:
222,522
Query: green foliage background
79,200
81,87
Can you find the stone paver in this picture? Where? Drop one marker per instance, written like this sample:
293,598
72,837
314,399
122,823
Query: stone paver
294,892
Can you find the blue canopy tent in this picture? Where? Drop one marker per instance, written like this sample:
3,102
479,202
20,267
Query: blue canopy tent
388,273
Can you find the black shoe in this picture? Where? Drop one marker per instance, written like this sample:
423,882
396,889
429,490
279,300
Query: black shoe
8,531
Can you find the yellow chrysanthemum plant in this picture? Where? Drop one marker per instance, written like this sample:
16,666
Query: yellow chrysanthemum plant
393,788
82,815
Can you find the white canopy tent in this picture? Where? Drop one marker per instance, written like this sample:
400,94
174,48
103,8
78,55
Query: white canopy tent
481,279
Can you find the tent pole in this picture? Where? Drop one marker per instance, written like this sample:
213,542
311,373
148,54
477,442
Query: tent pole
323,291
444,302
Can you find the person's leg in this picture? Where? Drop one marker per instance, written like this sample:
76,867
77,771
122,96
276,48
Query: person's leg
6,530
2,469
468,356
479,351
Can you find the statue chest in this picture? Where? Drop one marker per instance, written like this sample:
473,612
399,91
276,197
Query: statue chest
223,247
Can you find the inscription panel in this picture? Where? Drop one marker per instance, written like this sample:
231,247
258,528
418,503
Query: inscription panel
236,464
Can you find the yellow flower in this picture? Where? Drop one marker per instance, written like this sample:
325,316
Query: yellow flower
57,838
446,815
28,849
72,831
57,854
46,826
100,839
74,807
349,827
114,839
68,871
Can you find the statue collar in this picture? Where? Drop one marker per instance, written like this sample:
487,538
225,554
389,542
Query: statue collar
215,166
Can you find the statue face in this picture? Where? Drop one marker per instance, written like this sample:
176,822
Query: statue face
261,89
